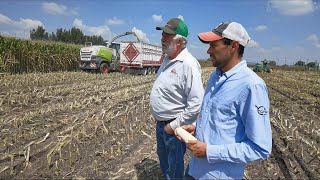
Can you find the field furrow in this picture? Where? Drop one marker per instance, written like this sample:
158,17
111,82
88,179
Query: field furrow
75,125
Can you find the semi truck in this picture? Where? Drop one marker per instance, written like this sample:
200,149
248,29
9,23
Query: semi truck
127,56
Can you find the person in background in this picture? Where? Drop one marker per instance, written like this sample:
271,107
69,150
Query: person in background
233,127
176,96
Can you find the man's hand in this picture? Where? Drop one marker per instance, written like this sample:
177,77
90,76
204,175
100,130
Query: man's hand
198,148
168,129
189,128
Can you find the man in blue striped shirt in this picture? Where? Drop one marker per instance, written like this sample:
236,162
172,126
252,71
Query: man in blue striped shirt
233,127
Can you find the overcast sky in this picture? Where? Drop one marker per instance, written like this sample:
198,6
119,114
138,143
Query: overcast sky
282,30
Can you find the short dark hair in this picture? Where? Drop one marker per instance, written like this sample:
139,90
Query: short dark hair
227,41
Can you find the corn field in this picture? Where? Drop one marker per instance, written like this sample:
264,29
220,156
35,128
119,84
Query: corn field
26,56
76,125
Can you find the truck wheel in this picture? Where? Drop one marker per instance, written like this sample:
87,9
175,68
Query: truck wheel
144,71
148,70
153,70
104,68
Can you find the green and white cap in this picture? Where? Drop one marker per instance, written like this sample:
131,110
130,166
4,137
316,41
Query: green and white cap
175,26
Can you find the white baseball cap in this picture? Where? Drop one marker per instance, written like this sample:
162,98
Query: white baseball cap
231,30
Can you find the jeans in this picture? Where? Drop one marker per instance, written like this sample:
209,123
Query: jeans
170,152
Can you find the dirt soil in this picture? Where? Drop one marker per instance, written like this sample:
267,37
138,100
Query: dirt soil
59,126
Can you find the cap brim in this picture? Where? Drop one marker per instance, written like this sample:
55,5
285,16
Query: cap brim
207,37
166,30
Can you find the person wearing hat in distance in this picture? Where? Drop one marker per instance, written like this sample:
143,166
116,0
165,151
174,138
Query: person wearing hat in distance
233,127
176,96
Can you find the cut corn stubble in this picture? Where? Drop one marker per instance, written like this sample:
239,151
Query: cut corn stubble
185,135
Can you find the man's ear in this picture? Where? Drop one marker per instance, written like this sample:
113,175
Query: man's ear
234,46
179,40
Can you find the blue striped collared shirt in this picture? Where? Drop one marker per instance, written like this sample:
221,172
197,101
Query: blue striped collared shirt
234,123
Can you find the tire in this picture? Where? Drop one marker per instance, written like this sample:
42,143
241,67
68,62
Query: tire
270,71
104,68
144,71
148,70
153,70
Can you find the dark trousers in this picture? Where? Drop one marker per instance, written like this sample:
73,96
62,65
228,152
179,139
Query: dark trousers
170,153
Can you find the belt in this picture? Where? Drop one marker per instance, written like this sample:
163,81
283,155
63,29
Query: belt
167,121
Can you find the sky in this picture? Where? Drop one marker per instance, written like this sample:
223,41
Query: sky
281,30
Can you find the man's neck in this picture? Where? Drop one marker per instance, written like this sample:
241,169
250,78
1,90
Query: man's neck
175,54
230,65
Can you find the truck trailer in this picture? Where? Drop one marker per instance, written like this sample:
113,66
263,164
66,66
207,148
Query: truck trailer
140,58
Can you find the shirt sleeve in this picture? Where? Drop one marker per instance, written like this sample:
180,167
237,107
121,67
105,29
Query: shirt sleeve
194,91
254,113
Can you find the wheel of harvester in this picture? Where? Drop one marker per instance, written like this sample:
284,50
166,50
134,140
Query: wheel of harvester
104,68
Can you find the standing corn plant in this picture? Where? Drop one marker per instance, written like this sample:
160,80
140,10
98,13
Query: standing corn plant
25,56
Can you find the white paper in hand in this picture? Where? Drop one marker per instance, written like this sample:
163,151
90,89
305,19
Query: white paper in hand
185,135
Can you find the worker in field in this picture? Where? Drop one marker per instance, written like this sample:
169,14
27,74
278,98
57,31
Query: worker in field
233,127
176,96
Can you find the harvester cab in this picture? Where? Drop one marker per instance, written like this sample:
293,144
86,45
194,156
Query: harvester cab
262,67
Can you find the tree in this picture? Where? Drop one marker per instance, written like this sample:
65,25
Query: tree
73,35
76,35
94,39
52,37
311,64
300,63
59,34
272,63
39,34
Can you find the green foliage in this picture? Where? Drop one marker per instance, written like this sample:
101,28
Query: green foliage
39,34
272,63
73,35
25,56
300,63
311,64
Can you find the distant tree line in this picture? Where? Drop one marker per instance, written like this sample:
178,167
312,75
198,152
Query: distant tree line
73,35
299,63
310,64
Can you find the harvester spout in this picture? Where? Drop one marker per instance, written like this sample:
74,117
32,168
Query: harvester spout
120,35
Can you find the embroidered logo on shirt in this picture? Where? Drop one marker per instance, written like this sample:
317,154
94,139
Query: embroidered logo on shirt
173,71
261,110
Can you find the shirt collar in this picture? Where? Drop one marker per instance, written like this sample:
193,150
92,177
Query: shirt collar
233,70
